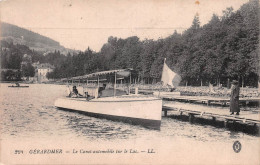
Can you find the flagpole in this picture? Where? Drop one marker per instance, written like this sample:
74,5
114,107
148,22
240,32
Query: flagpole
164,62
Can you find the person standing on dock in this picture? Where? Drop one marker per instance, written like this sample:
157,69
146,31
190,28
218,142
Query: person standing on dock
234,98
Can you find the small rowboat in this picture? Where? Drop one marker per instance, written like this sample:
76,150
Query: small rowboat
14,86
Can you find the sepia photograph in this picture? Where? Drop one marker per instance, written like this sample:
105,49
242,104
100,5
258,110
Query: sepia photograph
122,82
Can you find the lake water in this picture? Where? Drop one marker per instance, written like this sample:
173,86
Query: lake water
29,119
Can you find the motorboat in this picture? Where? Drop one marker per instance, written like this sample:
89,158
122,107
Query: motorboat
14,86
145,111
132,108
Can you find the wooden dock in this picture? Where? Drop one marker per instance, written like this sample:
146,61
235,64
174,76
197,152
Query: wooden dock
223,114
210,100
175,96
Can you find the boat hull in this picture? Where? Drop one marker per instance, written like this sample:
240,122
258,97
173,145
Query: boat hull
145,111
18,86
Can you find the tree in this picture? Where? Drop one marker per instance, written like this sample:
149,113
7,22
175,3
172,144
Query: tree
28,70
227,13
195,22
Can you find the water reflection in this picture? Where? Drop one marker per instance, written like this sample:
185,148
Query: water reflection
30,113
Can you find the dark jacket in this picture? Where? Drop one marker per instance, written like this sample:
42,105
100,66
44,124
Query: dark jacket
75,91
234,99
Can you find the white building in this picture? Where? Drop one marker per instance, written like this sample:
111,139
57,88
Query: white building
41,71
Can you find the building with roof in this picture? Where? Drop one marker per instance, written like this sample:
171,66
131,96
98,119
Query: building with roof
41,71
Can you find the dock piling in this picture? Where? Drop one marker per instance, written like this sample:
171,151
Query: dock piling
165,113
191,117
226,123
213,119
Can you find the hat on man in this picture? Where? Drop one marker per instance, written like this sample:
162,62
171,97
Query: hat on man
235,82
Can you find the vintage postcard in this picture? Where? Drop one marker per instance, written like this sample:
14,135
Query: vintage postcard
129,82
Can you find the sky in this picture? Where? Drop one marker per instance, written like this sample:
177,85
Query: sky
79,24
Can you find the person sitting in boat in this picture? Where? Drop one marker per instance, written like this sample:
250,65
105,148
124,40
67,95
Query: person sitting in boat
75,92
88,97
17,84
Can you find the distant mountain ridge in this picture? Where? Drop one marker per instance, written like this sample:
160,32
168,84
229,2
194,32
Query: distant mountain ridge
18,35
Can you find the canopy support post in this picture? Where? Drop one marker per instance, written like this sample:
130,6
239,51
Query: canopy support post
129,88
130,78
98,81
115,86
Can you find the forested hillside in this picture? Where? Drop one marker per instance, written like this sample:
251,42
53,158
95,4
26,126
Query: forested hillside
18,35
226,48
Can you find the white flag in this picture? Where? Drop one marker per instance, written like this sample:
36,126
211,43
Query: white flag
169,77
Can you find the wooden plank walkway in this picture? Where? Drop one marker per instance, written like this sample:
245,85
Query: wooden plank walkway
209,100
214,112
199,99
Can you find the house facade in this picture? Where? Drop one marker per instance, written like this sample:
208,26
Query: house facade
41,71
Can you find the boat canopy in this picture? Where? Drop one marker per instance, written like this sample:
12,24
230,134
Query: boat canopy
118,72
